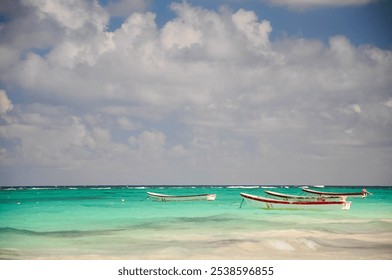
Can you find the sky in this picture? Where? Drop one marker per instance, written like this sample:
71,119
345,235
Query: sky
195,92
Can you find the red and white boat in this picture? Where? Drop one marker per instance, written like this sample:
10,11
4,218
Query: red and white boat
167,198
270,203
362,194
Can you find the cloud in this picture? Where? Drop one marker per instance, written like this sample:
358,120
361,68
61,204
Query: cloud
5,102
305,4
149,145
208,96
71,15
389,102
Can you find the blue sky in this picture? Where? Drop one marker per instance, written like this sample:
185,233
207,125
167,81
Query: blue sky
195,92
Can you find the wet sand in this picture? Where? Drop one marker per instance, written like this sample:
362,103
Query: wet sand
266,245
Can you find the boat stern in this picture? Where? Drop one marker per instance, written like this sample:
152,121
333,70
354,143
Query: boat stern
346,205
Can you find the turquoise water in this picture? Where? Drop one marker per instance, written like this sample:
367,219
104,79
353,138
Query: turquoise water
120,222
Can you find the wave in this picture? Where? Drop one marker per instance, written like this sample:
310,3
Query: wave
65,233
243,187
115,187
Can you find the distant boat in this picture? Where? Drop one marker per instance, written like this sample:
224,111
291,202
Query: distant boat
270,203
362,194
167,198
305,197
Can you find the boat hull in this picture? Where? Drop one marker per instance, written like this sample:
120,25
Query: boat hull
306,198
268,203
362,194
168,198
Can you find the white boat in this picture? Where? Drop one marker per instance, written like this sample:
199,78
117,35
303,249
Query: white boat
167,198
270,203
362,194
304,197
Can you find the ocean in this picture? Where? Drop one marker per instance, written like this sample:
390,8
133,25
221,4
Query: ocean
121,222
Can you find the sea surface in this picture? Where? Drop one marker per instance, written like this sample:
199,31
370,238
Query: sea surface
121,222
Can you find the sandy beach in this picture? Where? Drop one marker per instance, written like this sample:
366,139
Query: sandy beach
268,245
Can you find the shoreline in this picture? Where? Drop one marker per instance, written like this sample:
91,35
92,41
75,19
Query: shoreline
268,245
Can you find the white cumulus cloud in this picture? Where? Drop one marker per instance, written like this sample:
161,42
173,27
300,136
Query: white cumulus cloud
206,96
5,102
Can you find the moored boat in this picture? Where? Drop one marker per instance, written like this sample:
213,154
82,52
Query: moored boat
167,198
362,194
305,197
270,203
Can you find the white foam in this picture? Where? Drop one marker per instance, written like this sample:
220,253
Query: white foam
309,243
280,245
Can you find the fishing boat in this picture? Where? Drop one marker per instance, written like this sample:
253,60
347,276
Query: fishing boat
167,198
304,197
270,203
362,194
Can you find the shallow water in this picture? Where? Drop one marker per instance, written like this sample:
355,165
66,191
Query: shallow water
119,222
